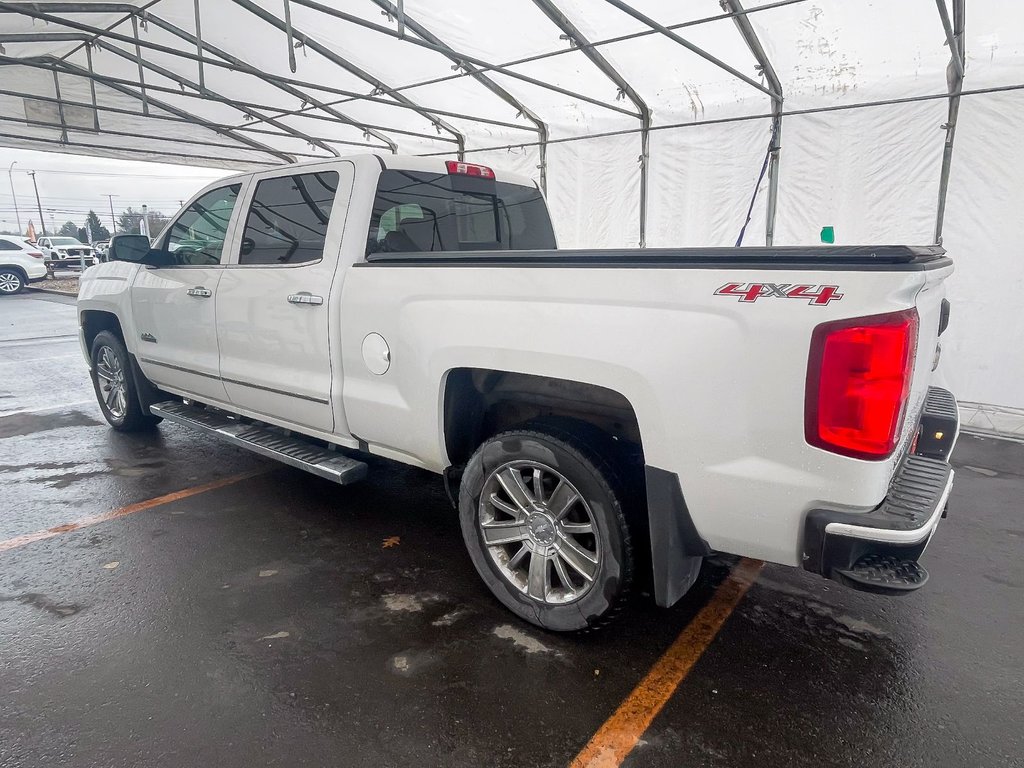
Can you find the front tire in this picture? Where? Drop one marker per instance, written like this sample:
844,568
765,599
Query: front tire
542,518
114,385
11,282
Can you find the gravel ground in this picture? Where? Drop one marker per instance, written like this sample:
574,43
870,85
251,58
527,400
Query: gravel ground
65,284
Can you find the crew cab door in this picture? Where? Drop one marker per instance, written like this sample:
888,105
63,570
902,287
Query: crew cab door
275,323
174,304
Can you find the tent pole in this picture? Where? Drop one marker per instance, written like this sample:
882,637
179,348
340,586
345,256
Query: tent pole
92,88
199,47
238,63
138,58
482,66
67,66
347,65
404,20
60,108
955,80
746,29
630,11
578,39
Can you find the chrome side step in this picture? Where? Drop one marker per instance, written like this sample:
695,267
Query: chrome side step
294,451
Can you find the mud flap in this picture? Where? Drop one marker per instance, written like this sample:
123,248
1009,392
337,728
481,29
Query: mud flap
677,550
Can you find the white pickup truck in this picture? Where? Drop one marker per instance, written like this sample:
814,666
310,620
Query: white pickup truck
600,417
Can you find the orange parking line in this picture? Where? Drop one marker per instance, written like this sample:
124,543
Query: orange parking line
131,509
621,732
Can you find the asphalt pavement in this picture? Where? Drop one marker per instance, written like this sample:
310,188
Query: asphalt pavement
166,600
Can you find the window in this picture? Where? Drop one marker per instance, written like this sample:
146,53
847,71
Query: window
288,218
7,245
197,235
416,211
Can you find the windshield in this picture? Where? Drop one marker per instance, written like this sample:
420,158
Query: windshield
417,211
64,241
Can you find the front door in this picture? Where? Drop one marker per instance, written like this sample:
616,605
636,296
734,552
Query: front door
274,318
174,304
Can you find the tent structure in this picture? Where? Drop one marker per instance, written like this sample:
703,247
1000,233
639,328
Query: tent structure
647,122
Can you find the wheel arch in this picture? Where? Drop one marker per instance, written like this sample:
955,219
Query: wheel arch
93,321
478,403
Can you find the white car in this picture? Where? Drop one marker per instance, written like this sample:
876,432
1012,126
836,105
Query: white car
601,417
20,263
66,252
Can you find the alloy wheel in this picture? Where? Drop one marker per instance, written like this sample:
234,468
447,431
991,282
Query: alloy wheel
110,376
540,532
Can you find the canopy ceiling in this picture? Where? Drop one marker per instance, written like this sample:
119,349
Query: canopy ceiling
249,83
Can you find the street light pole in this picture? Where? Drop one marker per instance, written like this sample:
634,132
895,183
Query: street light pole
39,205
113,221
10,177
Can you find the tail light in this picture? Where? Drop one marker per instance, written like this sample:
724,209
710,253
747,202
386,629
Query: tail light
35,254
858,381
469,169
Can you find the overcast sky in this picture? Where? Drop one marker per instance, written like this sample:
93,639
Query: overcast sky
70,185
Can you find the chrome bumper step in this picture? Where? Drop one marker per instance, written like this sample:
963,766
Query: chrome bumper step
294,451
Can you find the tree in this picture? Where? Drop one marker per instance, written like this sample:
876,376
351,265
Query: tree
68,229
157,222
128,221
99,232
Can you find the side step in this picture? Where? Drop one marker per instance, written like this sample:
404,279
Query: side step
295,451
884,574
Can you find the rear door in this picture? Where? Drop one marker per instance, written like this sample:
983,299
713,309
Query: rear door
174,304
273,316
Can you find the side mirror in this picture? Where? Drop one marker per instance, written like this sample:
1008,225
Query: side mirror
132,248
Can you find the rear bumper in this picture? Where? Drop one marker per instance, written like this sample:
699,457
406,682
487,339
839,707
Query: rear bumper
899,529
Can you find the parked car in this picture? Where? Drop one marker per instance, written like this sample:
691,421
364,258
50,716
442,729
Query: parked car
100,247
64,252
599,416
20,263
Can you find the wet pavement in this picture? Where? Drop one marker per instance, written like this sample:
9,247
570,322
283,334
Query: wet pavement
282,620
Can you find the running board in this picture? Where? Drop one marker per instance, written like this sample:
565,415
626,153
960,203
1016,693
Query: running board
294,451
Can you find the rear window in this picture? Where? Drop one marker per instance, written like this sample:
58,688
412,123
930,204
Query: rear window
288,219
415,211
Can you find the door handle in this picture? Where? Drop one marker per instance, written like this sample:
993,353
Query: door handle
200,292
305,297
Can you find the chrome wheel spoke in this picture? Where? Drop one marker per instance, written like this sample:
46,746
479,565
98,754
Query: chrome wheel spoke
512,481
504,532
581,561
517,558
104,372
562,499
538,486
539,583
577,529
563,575
505,507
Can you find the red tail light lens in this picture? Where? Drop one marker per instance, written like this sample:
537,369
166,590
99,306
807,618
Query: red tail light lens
469,169
36,254
858,380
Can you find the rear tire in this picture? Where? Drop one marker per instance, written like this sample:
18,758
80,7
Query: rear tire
545,529
114,385
11,282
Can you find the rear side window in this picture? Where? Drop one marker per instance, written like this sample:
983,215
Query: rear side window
415,211
7,245
287,222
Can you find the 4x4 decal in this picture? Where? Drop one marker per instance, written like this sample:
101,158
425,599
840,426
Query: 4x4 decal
816,295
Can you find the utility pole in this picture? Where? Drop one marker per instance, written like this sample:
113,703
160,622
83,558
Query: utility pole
10,177
39,205
113,221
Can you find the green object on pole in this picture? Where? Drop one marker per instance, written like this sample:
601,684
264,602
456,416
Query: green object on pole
828,235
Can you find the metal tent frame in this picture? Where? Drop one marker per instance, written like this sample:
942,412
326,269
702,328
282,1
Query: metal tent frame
196,56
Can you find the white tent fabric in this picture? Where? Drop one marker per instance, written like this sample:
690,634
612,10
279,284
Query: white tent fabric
559,89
